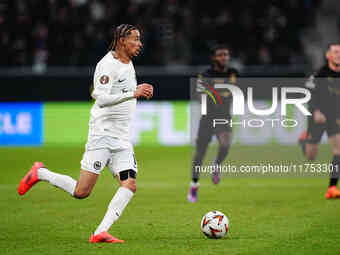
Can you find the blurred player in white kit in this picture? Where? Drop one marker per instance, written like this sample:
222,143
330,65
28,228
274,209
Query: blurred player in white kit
115,92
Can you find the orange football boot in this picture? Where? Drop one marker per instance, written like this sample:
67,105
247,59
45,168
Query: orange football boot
30,179
332,192
104,237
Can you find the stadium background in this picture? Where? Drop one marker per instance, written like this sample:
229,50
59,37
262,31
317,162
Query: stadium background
48,53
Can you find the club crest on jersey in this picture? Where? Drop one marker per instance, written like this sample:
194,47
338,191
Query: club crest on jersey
97,165
104,79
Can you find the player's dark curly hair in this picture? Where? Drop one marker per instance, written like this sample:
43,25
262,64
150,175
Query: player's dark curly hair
121,31
218,47
329,45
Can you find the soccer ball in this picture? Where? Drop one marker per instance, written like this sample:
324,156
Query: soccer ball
215,224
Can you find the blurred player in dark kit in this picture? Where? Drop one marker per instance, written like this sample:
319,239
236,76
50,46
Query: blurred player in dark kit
325,107
219,72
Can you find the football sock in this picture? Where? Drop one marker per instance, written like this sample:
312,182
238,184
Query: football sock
335,171
195,174
59,180
200,152
115,209
222,154
303,146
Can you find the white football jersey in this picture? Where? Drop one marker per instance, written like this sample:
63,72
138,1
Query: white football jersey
115,105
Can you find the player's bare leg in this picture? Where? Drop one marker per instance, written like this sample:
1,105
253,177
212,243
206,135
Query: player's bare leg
311,151
127,181
333,191
224,139
85,184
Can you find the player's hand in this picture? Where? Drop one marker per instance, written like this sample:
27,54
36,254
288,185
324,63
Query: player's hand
319,117
144,90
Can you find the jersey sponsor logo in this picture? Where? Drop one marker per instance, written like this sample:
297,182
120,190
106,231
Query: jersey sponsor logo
104,79
209,90
125,90
97,165
119,80
232,78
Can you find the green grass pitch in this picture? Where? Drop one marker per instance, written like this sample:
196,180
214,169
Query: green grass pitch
267,215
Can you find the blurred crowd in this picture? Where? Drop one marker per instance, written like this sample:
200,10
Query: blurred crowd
42,33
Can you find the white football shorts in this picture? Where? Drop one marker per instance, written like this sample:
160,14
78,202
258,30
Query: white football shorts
101,151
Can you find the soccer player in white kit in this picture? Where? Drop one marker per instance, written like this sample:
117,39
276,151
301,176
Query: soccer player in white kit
115,92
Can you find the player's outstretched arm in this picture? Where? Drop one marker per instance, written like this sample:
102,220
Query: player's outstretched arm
144,90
